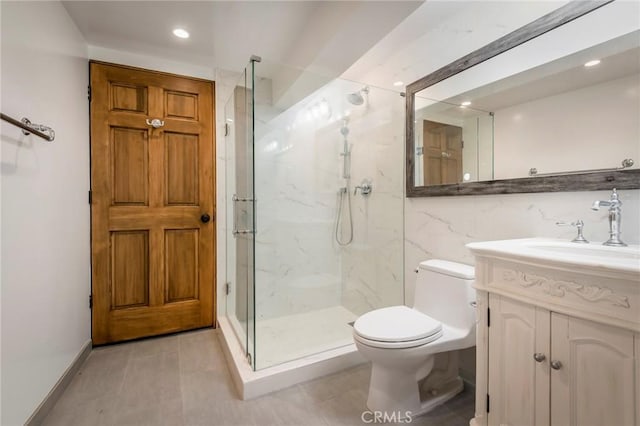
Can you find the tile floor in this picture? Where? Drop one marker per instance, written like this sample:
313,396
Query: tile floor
183,380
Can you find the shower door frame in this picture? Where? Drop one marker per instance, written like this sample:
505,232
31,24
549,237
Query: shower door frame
239,131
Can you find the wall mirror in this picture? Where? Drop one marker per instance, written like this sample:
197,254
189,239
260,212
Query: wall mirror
535,111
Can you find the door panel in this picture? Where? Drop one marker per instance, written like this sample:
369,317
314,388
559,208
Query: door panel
181,262
181,173
152,256
129,269
442,153
128,97
518,385
595,384
129,166
181,105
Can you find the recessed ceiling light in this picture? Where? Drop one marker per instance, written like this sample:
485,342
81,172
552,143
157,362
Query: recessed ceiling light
592,63
179,32
398,83
465,103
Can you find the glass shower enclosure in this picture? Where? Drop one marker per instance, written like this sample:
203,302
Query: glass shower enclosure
314,201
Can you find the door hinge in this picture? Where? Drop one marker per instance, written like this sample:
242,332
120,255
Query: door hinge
488,317
91,301
227,288
90,197
462,143
227,129
488,403
89,93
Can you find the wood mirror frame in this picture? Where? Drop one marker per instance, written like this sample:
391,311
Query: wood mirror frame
587,181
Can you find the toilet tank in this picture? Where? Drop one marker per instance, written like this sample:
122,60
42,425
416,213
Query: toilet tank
444,292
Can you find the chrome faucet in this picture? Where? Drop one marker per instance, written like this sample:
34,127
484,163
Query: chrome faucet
578,224
615,217
365,187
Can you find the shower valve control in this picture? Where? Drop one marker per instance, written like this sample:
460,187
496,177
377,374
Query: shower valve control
365,188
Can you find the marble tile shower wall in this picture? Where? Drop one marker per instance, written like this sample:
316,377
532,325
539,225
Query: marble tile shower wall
371,274
299,266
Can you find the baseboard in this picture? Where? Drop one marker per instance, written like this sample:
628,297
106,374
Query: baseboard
58,389
470,386
469,377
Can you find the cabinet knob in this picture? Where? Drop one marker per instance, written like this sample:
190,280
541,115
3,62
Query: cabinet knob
556,365
539,357
205,218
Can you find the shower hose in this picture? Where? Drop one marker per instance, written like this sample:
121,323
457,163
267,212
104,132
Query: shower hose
342,193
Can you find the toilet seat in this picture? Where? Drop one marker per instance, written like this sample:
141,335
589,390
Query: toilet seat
396,327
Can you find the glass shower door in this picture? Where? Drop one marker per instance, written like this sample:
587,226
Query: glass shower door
240,212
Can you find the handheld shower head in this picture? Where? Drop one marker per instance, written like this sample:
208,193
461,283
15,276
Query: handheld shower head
344,130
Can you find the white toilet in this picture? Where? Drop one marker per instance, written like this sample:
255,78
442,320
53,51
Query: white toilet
413,368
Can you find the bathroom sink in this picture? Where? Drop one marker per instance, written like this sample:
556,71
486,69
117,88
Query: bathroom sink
595,250
592,255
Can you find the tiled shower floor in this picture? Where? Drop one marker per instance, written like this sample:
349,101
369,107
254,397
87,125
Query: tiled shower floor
295,336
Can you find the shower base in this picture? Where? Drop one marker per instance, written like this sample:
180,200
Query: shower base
319,342
286,338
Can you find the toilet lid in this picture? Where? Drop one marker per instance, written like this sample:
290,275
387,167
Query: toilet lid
396,324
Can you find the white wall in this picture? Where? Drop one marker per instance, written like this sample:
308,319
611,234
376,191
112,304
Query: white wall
149,62
600,130
45,214
439,227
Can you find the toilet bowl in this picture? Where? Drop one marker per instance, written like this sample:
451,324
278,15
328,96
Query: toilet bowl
412,349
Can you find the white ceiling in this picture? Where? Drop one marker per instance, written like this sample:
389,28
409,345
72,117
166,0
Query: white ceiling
373,42
327,36
439,32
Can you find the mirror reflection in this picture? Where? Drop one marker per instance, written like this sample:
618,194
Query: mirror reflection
454,143
577,113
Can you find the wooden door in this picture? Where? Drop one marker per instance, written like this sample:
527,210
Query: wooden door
518,384
442,153
152,190
594,384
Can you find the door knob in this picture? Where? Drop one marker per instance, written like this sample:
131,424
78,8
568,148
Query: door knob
556,365
539,357
205,218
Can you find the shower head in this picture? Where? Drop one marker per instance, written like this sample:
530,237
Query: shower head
356,98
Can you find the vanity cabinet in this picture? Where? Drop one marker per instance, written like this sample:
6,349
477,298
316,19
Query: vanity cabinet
549,368
558,334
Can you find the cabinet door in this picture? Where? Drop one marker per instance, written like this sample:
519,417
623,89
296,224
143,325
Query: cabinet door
518,384
594,384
